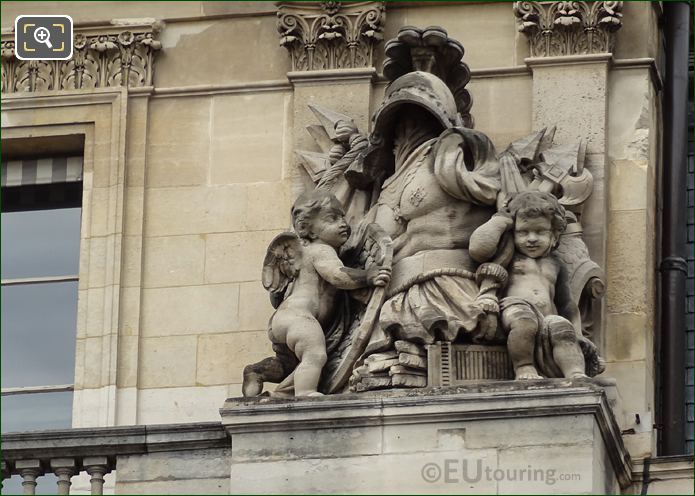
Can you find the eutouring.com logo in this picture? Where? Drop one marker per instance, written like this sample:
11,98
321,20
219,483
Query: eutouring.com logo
454,471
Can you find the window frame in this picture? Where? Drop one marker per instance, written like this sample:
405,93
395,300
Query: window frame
100,116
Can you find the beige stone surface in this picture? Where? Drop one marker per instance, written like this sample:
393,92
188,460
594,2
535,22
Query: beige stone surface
626,336
167,362
638,37
223,51
181,486
173,261
255,309
268,205
246,145
222,357
487,31
195,209
351,98
626,284
129,308
94,407
631,377
134,210
95,311
628,185
131,261
502,107
98,11
180,404
550,462
177,147
364,474
573,97
128,352
136,138
235,257
90,353
174,465
629,113
189,310
306,444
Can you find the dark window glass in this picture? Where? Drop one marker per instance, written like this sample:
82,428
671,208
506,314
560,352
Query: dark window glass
31,412
40,243
39,323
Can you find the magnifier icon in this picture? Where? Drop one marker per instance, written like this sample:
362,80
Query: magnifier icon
43,35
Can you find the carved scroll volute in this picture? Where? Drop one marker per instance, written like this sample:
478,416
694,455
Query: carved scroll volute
568,28
330,35
8,63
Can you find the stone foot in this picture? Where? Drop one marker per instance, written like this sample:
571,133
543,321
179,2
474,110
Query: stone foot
253,384
526,372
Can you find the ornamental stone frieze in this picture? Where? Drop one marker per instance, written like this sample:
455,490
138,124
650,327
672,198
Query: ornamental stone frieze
569,28
330,35
118,55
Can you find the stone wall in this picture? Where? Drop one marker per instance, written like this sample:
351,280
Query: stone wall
210,175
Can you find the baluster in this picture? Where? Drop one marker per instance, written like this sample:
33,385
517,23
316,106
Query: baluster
5,473
64,468
29,470
96,467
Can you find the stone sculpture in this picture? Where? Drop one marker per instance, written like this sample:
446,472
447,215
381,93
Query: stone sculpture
429,197
538,314
305,271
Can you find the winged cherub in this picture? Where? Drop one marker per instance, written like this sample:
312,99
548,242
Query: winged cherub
305,267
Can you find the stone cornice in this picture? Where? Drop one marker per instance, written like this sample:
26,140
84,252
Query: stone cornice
330,35
569,28
119,54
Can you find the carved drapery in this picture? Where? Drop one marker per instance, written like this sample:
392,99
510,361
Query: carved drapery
330,35
113,56
569,28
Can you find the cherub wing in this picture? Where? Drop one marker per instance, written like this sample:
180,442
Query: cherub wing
281,264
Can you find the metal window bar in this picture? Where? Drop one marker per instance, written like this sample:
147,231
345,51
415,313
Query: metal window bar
38,280
60,388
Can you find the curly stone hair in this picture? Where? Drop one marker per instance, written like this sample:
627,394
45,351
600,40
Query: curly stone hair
533,204
306,207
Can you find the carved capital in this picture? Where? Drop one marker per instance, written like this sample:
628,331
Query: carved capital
330,35
121,55
569,28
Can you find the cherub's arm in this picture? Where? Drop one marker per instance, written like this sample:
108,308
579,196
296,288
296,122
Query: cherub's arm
485,240
331,268
566,306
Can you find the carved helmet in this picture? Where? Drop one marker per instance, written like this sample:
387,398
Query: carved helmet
420,89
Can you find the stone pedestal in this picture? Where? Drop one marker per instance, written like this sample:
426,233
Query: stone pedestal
493,438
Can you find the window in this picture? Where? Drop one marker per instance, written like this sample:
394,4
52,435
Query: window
41,217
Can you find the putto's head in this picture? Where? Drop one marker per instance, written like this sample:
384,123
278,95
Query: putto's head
318,215
539,219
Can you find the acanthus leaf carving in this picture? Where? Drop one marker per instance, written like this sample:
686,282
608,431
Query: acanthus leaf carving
568,28
101,58
331,35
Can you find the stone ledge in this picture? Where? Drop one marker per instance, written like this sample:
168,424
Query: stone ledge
477,401
664,468
112,441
